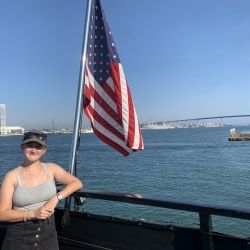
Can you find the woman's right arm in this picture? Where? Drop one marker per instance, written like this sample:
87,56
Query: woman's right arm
7,213
6,194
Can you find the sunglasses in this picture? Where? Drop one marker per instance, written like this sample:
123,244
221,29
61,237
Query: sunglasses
33,145
31,135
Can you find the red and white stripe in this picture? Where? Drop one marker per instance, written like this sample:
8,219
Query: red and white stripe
109,107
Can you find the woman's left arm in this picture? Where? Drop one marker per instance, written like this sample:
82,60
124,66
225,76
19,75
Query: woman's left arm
70,182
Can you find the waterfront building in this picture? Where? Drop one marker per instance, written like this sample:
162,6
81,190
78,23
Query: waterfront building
14,130
2,119
8,130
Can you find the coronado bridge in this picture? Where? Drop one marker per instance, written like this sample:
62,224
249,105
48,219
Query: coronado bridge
163,124
209,118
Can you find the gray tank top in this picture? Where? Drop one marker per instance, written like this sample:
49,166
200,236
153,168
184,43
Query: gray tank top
33,197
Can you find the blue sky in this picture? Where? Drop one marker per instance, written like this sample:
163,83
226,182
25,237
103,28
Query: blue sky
182,59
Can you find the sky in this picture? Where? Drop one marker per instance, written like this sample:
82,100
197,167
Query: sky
182,58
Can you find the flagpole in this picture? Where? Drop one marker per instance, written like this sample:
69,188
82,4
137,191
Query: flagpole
78,112
79,102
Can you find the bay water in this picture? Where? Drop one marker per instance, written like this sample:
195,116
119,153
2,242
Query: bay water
179,164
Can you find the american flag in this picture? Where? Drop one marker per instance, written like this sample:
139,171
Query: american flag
108,102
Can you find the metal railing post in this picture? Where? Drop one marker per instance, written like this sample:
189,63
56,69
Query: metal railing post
206,231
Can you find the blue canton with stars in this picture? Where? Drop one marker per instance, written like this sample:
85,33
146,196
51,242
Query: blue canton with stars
101,51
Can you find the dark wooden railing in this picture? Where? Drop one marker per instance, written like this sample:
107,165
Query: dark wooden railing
204,210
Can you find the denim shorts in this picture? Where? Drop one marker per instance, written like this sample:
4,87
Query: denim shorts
33,234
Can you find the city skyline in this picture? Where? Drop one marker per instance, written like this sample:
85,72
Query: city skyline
187,60
198,122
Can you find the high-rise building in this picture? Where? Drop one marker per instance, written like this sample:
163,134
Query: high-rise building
8,130
2,119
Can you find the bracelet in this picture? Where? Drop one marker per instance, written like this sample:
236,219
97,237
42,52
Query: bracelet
24,217
28,216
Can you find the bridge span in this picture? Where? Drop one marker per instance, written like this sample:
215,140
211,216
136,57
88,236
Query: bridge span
208,118
187,123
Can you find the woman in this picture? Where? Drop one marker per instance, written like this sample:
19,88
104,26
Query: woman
28,197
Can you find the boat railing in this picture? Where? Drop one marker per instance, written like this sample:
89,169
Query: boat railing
205,210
